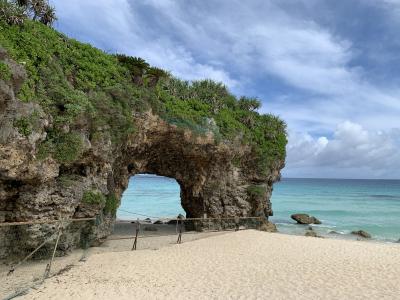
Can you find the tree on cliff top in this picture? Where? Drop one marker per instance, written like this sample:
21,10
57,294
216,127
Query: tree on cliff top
15,12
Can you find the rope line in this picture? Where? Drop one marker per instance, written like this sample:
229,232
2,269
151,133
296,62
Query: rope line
44,222
138,214
175,218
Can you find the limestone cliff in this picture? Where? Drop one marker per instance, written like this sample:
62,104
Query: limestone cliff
57,165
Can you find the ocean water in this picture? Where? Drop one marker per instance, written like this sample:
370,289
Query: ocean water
342,205
150,196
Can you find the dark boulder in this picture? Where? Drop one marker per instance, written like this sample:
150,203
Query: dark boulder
268,227
158,222
311,233
305,219
361,233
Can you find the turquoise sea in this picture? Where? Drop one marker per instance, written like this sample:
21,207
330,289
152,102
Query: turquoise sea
342,205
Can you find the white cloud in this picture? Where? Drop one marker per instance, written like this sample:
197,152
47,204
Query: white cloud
352,150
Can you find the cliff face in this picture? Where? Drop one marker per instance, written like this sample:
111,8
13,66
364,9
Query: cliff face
218,177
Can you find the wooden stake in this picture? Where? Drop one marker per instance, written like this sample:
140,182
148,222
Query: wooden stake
180,232
136,235
48,267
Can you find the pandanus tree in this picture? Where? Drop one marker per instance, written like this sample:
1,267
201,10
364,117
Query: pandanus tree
15,12
248,107
11,13
214,93
40,10
37,8
250,104
48,16
154,75
137,67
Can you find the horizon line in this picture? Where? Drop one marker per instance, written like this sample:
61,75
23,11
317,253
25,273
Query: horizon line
336,178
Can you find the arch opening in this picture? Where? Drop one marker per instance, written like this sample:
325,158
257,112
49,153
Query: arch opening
150,196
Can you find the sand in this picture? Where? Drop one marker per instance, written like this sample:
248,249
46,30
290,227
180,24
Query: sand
239,265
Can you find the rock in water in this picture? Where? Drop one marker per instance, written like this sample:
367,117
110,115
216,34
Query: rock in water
305,219
158,222
361,233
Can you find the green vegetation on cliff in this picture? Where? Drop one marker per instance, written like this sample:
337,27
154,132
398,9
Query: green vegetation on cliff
93,197
82,87
5,73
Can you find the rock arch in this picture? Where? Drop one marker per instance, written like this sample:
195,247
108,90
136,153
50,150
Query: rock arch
210,183
216,178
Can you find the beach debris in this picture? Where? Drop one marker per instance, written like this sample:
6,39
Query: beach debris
333,232
268,227
361,233
305,219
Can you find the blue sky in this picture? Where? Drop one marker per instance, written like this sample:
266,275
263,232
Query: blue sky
328,68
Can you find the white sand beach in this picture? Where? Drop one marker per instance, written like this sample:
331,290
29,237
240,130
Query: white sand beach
239,265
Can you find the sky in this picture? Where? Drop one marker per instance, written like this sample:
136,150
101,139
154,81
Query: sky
328,68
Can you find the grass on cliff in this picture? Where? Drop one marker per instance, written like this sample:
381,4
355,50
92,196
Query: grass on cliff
87,90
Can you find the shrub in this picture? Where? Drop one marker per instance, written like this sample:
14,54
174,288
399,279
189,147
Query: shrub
111,205
64,147
256,191
24,126
67,147
93,197
5,72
